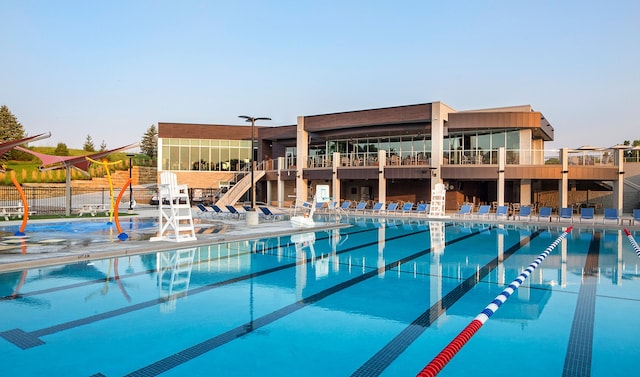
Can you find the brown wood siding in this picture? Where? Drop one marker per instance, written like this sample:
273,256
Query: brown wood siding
317,174
204,131
470,172
407,172
603,173
358,173
494,120
390,115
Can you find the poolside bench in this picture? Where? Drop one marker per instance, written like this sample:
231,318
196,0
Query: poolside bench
12,211
92,209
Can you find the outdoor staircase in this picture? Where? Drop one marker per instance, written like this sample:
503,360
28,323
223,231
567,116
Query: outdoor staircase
240,188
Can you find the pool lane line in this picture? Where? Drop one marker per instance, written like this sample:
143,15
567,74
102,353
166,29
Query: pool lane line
390,352
633,241
577,361
25,340
210,344
435,366
112,279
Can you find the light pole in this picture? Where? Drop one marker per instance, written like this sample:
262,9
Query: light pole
253,186
130,183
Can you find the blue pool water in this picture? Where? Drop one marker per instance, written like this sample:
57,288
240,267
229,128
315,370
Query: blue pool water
82,231
377,298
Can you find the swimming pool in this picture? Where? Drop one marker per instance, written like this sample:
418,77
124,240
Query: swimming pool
377,298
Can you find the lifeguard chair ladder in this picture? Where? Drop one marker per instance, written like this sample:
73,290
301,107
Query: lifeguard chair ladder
438,196
175,219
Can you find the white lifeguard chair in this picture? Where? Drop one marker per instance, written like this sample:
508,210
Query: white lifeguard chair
438,197
175,219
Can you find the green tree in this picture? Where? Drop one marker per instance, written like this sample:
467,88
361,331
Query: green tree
88,144
103,146
10,129
61,150
149,142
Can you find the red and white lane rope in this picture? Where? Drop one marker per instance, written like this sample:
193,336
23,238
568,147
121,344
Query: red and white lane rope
435,366
633,241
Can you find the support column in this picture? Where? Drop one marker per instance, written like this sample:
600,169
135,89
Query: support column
525,192
563,189
618,185
280,183
502,157
302,150
334,175
439,113
382,181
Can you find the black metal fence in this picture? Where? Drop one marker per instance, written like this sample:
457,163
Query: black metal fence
52,200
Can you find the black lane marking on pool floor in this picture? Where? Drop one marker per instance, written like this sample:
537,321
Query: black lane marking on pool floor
112,279
190,353
388,354
577,361
27,340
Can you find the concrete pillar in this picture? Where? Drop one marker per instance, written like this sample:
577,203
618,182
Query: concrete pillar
334,175
302,150
439,112
280,183
618,185
563,189
525,192
382,181
502,157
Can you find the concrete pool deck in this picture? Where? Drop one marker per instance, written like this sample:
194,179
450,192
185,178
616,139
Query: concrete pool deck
18,255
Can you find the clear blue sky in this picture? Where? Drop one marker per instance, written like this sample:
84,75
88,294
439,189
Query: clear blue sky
111,69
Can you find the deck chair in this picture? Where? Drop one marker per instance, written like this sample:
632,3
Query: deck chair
483,211
360,207
269,215
636,216
544,214
204,212
232,210
502,212
392,207
422,209
464,211
610,214
218,211
407,208
525,212
587,214
377,207
566,213
345,205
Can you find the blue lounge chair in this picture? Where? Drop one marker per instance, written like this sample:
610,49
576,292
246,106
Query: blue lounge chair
483,211
219,212
566,213
392,207
407,208
269,215
422,209
525,212
377,207
464,211
587,214
502,212
610,214
360,207
544,213
636,216
204,212
232,210
345,205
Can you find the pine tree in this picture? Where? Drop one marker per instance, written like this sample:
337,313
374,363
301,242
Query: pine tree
61,150
103,146
149,142
88,144
10,129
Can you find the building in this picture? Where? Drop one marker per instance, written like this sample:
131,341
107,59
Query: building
397,154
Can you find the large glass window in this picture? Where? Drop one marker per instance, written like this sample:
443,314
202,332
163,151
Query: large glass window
205,155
